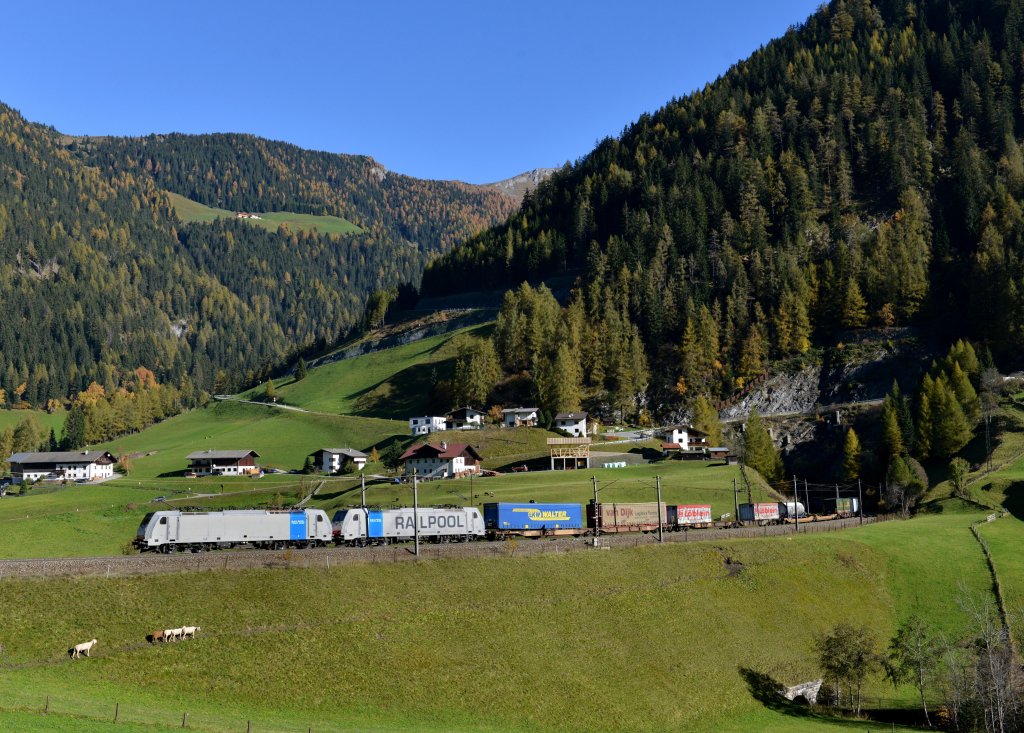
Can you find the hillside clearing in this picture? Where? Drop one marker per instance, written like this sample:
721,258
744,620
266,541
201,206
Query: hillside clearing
190,211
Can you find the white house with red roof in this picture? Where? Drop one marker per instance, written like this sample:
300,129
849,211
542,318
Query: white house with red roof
442,460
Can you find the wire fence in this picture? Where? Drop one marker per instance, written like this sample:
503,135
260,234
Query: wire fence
169,716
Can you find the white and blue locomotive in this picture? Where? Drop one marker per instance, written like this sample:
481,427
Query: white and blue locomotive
168,531
361,527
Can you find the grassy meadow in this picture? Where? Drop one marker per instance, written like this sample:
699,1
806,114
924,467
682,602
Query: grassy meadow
283,438
392,383
190,211
653,638
52,420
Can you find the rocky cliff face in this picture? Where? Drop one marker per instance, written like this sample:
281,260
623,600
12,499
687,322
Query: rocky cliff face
856,373
517,186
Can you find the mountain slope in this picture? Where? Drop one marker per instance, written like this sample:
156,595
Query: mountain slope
247,173
865,169
100,277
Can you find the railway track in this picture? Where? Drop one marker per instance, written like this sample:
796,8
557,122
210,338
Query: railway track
328,557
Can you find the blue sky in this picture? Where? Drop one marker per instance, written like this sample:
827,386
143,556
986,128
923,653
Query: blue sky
476,91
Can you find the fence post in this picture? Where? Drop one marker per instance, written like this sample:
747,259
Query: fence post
184,717
117,710
47,708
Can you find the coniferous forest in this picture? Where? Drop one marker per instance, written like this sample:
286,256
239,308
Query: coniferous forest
101,278
863,170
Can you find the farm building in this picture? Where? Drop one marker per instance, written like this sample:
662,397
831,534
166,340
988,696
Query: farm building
569,453
330,460
519,417
62,465
223,462
574,423
465,418
445,460
426,425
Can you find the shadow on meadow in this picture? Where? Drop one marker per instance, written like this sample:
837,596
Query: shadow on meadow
765,689
1013,500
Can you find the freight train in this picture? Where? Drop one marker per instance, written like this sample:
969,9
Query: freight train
167,531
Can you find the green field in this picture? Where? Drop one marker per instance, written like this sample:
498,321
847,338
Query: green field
192,211
655,638
392,383
283,438
54,420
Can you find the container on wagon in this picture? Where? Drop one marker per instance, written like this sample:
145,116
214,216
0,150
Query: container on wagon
628,517
533,519
791,509
690,515
762,512
844,506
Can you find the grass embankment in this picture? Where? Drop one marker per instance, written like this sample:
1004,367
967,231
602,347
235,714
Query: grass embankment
656,638
190,211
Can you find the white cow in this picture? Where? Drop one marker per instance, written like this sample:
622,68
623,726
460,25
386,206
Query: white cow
189,632
78,649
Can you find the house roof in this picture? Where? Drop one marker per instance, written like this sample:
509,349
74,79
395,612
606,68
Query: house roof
218,454
574,416
447,452
671,446
464,413
349,452
519,409
74,456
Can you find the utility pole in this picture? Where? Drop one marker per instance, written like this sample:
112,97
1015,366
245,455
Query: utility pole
362,491
837,498
597,514
661,538
860,502
735,503
416,512
807,496
796,510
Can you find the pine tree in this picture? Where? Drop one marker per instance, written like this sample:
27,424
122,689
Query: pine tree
759,451
965,394
851,456
892,436
855,313
73,436
705,419
270,392
300,370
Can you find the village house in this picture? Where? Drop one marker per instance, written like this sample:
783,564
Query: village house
331,460
574,423
427,425
519,417
684,438
223,463
62,466
445,460
465,418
